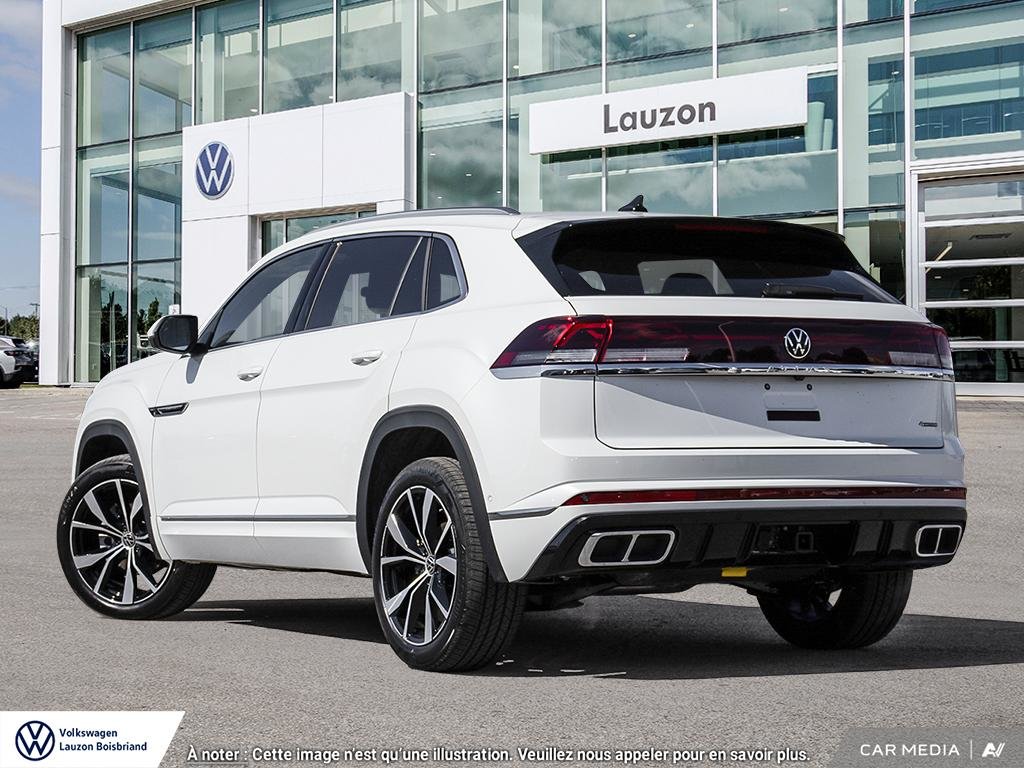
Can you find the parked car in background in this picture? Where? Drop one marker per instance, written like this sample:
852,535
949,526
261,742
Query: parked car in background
18,362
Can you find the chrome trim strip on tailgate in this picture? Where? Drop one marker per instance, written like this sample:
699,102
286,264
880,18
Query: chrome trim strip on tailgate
745,369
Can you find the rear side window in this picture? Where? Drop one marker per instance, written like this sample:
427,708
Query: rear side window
442,279
362,281
700,257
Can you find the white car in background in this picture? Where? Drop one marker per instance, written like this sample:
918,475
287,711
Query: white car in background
481,409
16,361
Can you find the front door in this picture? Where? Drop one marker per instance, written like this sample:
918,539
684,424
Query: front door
205,483
970,273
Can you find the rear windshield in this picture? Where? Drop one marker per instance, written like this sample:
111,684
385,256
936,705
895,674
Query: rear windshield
699,257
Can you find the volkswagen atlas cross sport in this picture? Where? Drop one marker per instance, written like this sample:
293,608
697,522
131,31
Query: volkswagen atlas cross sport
483,410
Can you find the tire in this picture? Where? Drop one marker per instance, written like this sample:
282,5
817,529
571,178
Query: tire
868,608
457,618
102,531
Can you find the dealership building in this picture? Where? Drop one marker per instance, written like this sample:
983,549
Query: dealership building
181,141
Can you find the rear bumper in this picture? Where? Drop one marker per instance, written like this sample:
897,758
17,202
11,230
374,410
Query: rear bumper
760,539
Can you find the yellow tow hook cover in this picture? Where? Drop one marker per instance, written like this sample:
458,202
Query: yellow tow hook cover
734,573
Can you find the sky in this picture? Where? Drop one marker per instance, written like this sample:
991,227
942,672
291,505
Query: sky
20,37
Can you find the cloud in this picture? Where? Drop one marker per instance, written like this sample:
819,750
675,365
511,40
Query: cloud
21,26
19,190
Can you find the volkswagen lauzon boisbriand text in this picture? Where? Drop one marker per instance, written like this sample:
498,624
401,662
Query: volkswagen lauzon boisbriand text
484,410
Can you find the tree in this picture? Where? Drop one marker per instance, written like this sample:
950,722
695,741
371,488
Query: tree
22,326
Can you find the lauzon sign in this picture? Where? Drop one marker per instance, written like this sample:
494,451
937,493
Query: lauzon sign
773,99
658,117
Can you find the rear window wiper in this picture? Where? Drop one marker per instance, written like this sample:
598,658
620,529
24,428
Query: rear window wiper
797,291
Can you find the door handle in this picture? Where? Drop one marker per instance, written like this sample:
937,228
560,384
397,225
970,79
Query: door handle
367,357
248,374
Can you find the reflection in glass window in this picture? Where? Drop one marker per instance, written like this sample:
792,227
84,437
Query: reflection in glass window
643,28
742,20
460,42
856,11
783,170
563,181
877,239
369,47
101,321
228,60
873,105
298,68
460,148
950,283
272,235
101,235
983,197
277,232
968,98
155,287
551,35
673,176
163,74
104,72
157,193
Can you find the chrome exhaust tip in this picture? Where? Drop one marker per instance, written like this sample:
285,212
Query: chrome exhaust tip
627,548
938,540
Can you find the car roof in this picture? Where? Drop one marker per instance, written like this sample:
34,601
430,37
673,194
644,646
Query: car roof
507,219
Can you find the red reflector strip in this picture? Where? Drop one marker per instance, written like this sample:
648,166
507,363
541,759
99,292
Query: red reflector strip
754,494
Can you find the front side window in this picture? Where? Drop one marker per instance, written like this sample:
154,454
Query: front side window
263,306
363,279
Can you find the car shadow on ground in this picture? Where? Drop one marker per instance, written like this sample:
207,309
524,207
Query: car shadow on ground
642,638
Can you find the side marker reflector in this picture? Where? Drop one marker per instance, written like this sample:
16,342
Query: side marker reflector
734,573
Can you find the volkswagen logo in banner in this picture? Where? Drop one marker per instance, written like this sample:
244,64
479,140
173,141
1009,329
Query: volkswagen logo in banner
34,740
798,343
215,170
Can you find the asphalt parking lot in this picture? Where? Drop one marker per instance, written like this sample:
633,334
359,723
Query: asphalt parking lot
298,660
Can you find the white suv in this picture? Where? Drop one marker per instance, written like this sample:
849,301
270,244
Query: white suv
484,410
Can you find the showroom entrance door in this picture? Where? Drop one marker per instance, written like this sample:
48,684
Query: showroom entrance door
970,276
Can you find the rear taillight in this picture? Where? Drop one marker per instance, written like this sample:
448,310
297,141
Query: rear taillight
726,340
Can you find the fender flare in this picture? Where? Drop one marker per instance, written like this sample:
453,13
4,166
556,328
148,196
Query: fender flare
111,428
443,422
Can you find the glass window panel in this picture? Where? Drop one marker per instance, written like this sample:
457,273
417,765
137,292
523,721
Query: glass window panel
272,235
101,321
163,74
742,20
262,306
370,47
873,119
857,11
460,42
410,294
975,241
563,181
980,198
980,323
228,60
673,176
442,279
973,283
645,28
551,35
783,170
968,89
298,70
362,281
102,214
157,193
983,364
933,6
104,80
155,287
878,240
663,70
460,148
299,226
803,50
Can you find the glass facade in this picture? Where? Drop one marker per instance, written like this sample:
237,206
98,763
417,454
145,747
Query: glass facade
880,109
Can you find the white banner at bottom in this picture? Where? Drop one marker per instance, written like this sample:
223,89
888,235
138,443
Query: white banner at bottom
86,739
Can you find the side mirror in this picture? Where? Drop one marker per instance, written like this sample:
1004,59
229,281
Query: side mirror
175,333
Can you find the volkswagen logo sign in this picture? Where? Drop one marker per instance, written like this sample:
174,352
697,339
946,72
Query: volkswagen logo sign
798,343
34,740
215,170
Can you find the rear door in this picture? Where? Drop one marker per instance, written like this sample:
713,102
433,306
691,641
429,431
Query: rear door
325,391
